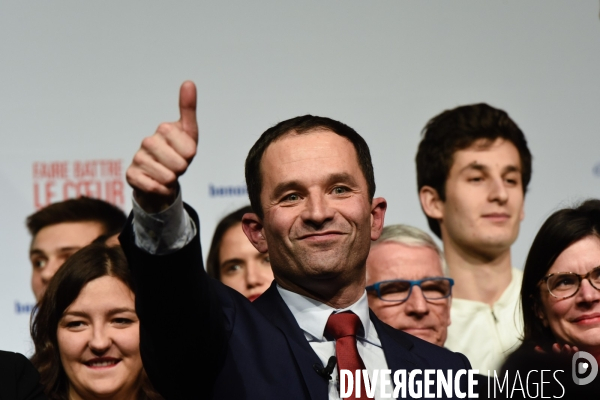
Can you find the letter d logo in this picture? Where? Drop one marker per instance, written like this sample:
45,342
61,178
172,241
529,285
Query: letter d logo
580,369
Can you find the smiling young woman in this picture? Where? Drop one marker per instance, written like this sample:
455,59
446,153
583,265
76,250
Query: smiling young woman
86,330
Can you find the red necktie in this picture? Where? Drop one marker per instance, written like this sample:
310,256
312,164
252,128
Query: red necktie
343,327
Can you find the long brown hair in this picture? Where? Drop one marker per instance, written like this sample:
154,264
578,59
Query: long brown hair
91,262
561,229
213,263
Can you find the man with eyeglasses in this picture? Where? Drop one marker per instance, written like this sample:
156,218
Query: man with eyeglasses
406,286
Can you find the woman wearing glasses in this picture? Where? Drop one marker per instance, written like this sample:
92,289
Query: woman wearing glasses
560,294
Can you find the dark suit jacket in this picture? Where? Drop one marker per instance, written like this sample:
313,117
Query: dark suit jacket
19,380
201,339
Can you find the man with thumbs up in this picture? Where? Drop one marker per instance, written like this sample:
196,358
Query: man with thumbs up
165,156
310,180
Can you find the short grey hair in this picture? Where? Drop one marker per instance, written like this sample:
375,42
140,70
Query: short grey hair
411,236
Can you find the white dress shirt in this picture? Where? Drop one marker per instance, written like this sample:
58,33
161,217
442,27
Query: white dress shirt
488,334
164,232
312,317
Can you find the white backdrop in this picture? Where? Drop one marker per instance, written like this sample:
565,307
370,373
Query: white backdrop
83,81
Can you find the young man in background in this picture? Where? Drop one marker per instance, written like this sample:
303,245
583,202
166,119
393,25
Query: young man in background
60,229
473,169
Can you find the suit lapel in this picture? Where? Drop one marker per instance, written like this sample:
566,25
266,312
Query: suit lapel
396,347
272,306
396,344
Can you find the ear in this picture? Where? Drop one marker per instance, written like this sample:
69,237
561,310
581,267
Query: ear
378,208
253,228
431,203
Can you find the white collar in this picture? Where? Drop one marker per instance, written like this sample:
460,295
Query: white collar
312,315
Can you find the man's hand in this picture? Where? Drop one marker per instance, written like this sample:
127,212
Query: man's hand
165,156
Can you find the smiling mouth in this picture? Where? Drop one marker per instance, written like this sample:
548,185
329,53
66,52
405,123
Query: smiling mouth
588,319
102,363
321,235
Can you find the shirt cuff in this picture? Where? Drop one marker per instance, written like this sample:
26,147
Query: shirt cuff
164,232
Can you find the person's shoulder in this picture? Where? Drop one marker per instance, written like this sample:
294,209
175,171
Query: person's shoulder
12,361
18,377
512,294
428,354
439,357
517,275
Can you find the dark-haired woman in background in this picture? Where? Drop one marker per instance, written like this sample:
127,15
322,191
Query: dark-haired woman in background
86,331
560,294
233,260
